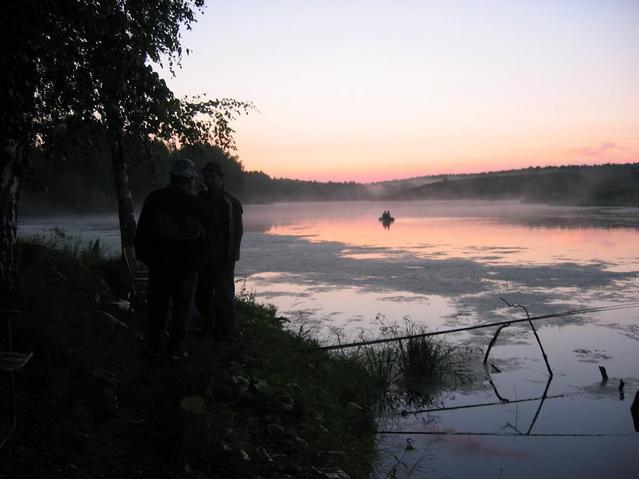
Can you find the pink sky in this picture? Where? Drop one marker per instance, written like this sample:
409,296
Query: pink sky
374,90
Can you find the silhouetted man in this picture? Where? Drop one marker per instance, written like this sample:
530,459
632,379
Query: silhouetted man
215,296
170,239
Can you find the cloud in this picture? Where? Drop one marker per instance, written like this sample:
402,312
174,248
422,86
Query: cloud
597,151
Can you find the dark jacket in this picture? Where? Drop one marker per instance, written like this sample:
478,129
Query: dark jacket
225,235
171,230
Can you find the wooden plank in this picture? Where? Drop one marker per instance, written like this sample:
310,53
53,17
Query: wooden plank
139,275
11,362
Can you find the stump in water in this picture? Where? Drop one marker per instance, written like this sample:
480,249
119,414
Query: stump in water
634,410
604,374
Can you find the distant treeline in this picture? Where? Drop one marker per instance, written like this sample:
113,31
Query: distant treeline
610,184
81,181
261,188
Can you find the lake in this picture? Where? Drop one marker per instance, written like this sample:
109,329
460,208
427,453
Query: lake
334,269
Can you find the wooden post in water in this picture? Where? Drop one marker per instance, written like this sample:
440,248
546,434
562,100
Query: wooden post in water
543,352
634,410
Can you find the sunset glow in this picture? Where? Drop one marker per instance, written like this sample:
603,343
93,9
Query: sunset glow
444,238
370,91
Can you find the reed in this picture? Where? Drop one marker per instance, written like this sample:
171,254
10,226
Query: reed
423,360
380,363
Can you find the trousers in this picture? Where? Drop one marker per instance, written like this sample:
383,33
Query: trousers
215,299
175,286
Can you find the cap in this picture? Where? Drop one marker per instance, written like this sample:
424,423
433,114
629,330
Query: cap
184,168
213,167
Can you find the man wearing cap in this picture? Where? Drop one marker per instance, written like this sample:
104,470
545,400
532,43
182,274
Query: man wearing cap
215,295
170,239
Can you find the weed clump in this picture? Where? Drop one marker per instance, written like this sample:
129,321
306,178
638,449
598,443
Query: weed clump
419,363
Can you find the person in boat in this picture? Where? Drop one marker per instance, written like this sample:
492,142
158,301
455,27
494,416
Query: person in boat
170,240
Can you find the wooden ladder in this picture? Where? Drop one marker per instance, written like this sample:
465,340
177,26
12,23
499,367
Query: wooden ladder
10,363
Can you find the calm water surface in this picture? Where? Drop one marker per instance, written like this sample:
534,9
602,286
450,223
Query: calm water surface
334,268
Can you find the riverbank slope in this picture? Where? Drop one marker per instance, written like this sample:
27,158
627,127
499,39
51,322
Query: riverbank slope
265,404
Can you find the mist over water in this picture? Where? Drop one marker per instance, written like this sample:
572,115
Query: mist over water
466,254
334,268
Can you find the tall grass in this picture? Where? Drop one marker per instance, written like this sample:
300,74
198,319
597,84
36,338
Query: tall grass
423,357
379,361
418,362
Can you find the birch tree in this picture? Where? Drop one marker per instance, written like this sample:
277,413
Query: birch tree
92,60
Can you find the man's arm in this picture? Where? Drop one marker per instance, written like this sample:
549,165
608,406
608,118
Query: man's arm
237,228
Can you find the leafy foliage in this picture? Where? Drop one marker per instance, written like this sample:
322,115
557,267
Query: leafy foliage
89,62
68,183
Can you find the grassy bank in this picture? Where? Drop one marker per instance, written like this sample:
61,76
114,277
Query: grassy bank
266,404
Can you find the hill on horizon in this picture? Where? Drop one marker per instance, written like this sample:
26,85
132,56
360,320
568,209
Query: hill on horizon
613,185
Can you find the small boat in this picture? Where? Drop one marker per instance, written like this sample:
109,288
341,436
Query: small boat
386,217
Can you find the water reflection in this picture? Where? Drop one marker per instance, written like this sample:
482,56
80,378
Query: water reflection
84,228
501,400
550,259
386,222
333,311
481,239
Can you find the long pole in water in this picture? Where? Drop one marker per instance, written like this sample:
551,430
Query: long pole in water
482,404
480,326
507,434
